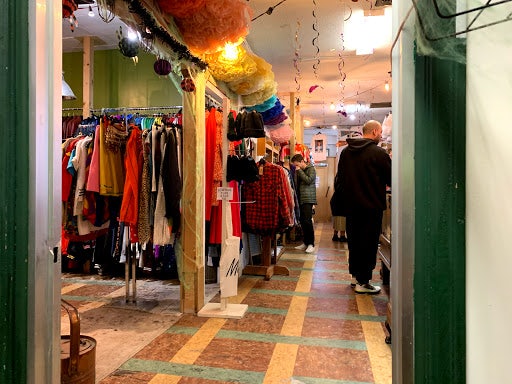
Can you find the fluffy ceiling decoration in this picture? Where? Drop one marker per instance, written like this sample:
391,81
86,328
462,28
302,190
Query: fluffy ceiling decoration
211,27
180,9
225,69
250,84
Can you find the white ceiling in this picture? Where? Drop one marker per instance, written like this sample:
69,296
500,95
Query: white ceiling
286,40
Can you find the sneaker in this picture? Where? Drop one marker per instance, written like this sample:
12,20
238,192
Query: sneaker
301,247
310,249
335,238
353,282
367,288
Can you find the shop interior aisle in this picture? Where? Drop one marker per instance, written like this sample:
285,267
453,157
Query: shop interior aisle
308,327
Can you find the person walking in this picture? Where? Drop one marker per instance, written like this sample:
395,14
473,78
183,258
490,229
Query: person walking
306,189
364,171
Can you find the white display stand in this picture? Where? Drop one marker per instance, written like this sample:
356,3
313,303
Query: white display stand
228,284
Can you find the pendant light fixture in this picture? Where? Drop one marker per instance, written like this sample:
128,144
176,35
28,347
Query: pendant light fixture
67,92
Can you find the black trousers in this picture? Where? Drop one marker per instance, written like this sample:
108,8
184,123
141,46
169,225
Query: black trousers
306,223
363,230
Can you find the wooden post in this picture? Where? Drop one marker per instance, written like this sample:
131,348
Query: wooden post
192,228
88,76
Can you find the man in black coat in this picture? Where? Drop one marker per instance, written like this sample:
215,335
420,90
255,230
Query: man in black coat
364,171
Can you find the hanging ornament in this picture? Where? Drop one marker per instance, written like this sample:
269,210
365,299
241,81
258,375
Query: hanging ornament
187,84
162,67
129,47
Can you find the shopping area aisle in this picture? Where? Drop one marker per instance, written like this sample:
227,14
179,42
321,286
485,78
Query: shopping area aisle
307,327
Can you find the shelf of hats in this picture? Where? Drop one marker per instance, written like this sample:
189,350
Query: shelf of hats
205,41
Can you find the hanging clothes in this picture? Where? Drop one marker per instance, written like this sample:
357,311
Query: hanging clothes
129,213
111,161
273,204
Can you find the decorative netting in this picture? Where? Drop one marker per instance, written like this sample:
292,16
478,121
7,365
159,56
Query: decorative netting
442,25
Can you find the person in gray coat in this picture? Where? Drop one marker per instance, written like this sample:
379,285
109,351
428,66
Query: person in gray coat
306,189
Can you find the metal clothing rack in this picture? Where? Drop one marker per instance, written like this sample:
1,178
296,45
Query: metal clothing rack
133,109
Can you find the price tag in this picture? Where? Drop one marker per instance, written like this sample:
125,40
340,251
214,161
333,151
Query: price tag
224,193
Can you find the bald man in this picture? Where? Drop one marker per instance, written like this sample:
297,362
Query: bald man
364,171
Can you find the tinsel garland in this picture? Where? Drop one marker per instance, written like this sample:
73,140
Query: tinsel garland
160,33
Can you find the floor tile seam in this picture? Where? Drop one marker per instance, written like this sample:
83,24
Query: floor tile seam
91,281
276,338
104,299
313,294
193,371
215,373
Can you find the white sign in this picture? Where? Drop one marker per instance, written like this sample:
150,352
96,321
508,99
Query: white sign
224,193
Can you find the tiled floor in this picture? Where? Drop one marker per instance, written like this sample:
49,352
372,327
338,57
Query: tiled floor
308,327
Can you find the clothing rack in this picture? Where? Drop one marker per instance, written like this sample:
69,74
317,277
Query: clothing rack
213,101
132,109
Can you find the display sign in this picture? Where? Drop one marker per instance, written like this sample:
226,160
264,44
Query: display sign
224,193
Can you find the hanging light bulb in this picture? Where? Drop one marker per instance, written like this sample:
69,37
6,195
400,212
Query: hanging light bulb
386,86
90,13
230,51
332,106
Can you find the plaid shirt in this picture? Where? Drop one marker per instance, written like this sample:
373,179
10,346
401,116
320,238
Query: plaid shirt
273,205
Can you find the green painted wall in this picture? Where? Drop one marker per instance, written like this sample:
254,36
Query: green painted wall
439,276
14,153
118,82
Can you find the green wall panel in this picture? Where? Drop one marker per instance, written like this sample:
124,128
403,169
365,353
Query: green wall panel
439,277
118,82
14,152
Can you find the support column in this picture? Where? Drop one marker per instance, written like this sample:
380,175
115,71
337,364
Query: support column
88,76
192,229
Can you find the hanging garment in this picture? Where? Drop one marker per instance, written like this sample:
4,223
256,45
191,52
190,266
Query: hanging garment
111,165
171,179
162,226
271,210
143,228
211,129
133,166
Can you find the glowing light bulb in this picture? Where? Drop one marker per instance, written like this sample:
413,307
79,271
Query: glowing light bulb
352,117
132,35
90,13
332,107
230,51
386,86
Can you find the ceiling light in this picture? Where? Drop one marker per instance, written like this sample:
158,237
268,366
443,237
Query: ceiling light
332,107
386,86
307,123
366,33
67,92
334,127
90,13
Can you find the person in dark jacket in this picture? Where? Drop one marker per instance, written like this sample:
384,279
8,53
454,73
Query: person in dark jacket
306,188
364,171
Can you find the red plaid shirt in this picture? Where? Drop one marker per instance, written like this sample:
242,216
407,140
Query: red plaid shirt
273,205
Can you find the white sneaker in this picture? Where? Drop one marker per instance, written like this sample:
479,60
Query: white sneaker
367,288
300,247
310,249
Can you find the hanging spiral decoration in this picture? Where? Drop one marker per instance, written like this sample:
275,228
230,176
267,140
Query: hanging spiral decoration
315,41
296,59
106,10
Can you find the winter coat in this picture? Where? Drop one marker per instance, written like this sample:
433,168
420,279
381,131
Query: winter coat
306,184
